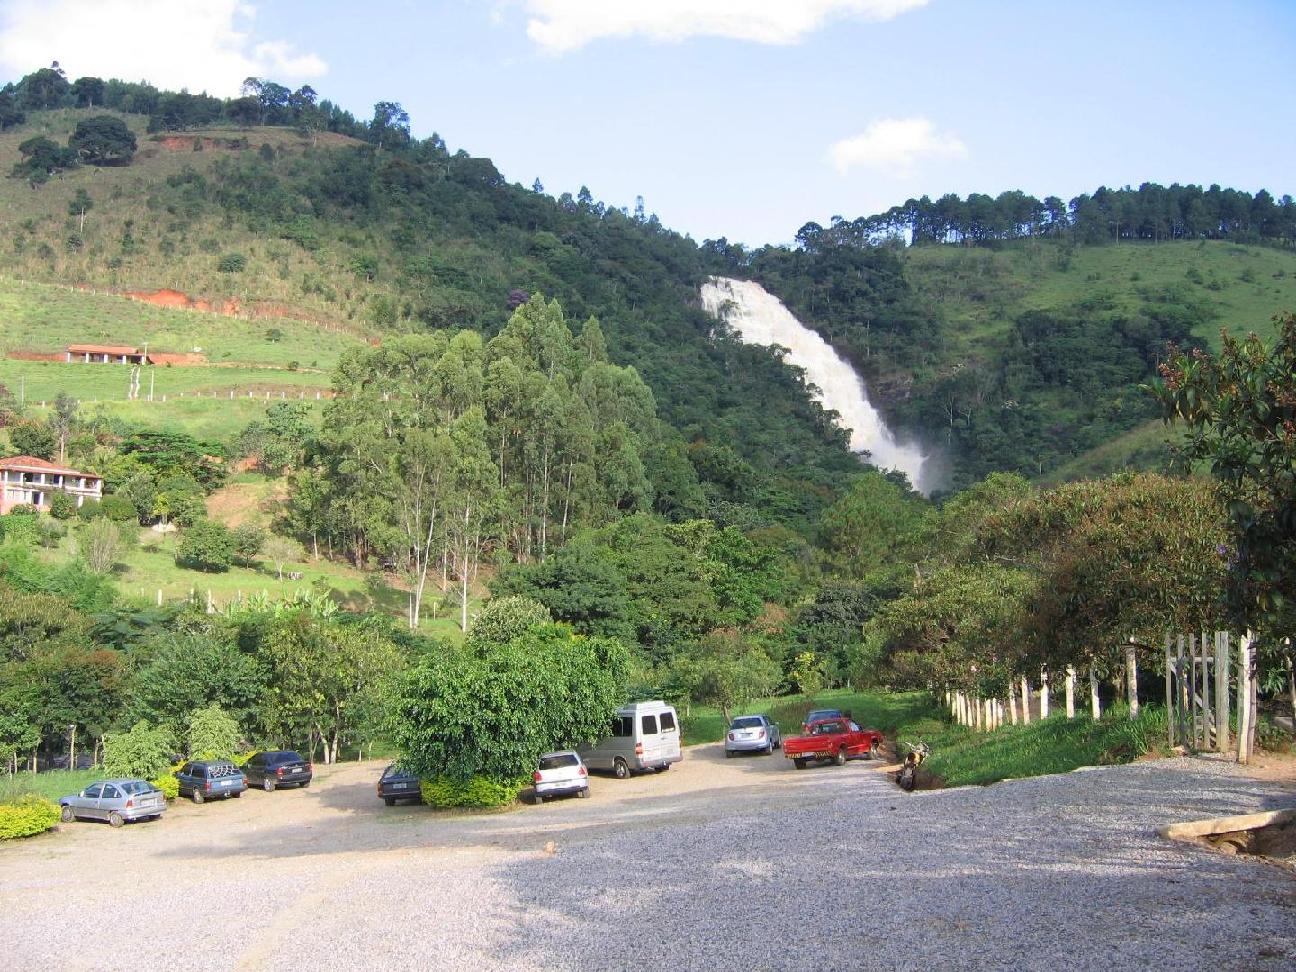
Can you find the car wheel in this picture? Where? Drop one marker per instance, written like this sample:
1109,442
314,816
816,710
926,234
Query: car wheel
875,751
621,769
799,763
778,743
115,819
663,768
196,796
840,758
583,794
306,784
769,749
268,785
390,801
67,814
729,754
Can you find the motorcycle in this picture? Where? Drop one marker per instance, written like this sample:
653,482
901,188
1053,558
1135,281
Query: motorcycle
908,777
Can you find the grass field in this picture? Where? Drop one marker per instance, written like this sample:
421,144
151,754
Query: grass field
886,711
984,290
50,784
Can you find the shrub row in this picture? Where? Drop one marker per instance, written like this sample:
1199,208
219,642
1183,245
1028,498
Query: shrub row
26,817
477,791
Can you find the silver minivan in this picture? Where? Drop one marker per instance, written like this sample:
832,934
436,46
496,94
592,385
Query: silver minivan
645,736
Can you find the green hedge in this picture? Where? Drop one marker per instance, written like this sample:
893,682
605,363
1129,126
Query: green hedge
168,784
26,817
479,791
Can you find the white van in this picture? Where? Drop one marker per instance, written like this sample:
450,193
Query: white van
645,736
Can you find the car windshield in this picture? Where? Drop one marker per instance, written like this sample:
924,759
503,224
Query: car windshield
558,761
747,722
137,786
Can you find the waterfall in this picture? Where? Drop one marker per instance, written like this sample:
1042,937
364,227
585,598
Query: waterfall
760,318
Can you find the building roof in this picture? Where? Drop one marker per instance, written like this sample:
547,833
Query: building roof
102,349
32,464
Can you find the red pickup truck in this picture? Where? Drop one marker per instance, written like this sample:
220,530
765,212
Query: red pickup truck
832,739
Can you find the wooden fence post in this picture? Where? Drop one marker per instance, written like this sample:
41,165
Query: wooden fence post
1070,691
1012,702
1025,687
1244,698
1191,673
1095,703
1131,675
1221,691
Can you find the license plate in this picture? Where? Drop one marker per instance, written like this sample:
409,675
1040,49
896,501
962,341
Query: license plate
225,783
400,786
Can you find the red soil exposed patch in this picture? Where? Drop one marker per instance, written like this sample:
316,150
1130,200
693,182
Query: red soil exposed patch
36,356
264,309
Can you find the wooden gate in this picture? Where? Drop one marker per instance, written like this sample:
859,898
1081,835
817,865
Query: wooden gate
1201,674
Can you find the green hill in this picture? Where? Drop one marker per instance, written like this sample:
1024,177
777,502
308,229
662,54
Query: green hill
1021,354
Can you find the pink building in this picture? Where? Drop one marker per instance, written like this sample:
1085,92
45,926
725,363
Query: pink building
26,480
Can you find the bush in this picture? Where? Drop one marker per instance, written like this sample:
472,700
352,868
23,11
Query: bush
213,734
62,506
168,784
478,791
205,546
27,816
89,509
119,509
144,751
101,544
232,263
248,540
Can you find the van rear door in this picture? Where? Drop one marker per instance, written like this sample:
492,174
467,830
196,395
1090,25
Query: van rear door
650,739
670,733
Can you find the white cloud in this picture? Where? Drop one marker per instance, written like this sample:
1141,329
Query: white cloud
895,145
560,26
202,45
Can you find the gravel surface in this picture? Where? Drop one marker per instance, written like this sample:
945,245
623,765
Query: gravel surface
719,863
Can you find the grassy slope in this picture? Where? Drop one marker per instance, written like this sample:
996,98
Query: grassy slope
982,291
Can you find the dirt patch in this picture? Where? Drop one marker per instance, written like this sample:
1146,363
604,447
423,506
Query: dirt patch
1273,768
1276,842
36,356
240,503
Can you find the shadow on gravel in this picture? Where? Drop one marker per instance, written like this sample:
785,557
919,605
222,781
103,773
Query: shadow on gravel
1028,874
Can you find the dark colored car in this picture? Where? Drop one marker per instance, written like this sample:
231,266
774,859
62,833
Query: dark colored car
278,767
207,779
398,784
817,715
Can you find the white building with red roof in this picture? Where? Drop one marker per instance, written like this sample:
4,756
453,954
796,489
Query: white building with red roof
28,481
106,354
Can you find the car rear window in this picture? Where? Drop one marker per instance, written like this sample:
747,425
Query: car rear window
286,757
217,770
138,786
827,728
749,723
559,761
649,725
668,721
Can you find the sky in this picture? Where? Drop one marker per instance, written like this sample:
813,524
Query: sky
747,118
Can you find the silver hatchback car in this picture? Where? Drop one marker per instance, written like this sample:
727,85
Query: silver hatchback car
115,801
558,774
752,734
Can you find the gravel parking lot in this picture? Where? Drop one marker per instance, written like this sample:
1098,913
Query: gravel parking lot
742,863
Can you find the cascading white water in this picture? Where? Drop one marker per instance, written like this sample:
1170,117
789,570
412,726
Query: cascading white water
760,318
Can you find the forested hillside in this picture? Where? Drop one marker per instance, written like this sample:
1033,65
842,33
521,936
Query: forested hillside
1012,335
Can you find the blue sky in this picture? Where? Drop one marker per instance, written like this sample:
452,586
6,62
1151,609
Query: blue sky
746,118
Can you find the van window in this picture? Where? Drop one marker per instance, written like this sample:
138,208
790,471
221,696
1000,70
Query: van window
622,726
649,723
668,721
